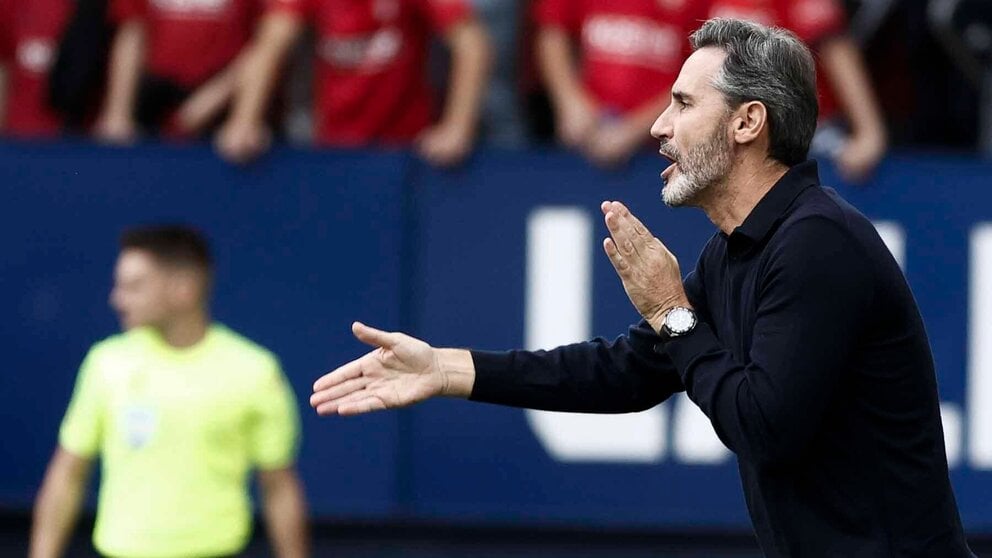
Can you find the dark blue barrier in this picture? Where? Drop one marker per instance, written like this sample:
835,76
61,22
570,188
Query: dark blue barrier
307,242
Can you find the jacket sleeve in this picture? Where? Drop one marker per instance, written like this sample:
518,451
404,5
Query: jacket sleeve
597,376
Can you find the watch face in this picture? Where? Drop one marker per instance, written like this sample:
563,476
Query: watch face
680,320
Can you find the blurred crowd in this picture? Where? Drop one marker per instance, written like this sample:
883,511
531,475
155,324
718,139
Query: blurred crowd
443,76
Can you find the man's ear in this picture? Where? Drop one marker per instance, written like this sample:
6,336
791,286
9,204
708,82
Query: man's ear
187,286
749,121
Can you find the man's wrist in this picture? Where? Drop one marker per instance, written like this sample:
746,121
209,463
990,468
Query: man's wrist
657,319
457,372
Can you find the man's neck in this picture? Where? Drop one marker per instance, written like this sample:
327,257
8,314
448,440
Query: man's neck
185,330
729,204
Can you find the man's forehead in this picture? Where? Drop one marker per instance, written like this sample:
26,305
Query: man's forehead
134,256
132,261
698,71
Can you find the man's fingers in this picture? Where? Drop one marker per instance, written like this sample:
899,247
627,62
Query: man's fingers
621,233
340,374
331,406
355,404
338,391
631,221
374,337
616,258
367,405
640,233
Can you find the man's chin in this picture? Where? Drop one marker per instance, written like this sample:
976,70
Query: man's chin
674,195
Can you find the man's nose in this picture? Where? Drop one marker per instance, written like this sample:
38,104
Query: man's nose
662,127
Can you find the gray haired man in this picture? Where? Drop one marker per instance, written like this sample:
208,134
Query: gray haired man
796,333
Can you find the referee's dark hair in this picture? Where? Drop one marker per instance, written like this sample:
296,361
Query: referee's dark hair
171,245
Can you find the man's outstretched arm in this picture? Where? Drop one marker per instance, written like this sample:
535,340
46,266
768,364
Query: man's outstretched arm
597,376
400,371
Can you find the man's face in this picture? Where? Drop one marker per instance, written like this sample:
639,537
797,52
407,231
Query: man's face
144,290
694,131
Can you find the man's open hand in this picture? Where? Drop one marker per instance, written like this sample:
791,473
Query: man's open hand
650,273
401,371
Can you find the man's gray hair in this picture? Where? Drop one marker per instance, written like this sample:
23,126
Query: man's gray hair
773,66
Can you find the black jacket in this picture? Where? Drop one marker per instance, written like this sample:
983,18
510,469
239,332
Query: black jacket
811,362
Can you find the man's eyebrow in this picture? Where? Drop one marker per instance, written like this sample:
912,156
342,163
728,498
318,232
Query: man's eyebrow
681,96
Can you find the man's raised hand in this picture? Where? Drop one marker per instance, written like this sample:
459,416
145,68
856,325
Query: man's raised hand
400,371
649,272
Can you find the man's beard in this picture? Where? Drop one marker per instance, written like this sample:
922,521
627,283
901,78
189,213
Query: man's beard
701,167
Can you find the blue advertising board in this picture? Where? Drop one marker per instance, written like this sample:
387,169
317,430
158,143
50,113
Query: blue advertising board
504,252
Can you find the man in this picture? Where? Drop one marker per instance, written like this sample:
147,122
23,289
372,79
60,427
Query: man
173,65
179,409
371,76
29,38
627,54
796,334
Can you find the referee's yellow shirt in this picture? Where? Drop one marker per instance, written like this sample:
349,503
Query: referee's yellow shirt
178,431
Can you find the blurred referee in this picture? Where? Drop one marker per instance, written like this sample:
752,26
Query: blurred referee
179,409
796,334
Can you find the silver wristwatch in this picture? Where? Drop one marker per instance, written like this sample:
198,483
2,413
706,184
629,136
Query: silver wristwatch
679,321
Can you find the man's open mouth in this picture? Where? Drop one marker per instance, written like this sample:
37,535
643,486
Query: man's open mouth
672,163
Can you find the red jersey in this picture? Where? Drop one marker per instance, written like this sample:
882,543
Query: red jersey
188,41
29,37
811,20
631,51
371,76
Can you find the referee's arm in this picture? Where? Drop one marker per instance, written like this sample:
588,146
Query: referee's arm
58,504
